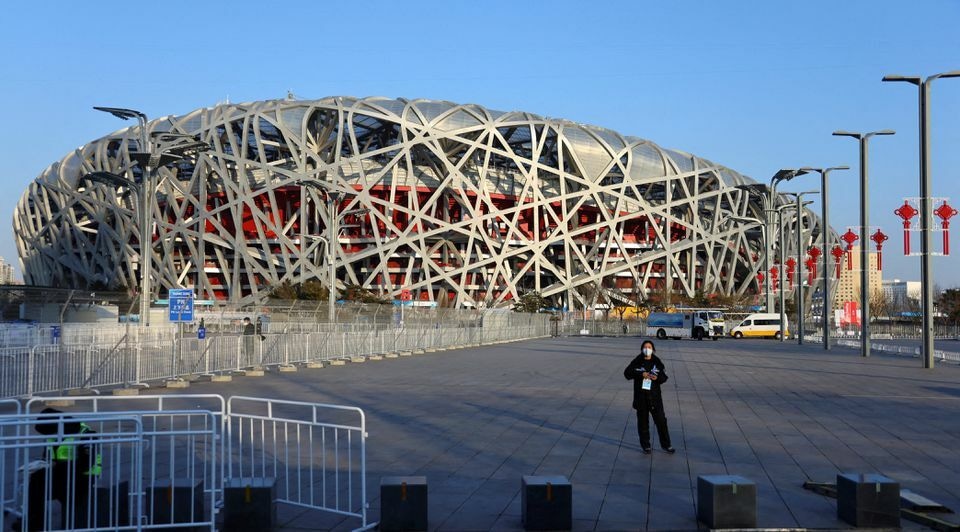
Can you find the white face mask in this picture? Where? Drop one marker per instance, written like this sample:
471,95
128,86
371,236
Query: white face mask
647,351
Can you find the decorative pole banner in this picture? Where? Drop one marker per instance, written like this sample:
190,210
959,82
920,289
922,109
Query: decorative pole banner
811,264
814,253
849,237
907,212
791,265
879,238
838,254
945,212
774,273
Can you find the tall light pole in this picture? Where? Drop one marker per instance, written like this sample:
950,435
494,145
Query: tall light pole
864,139
778,212
825,242
333,223
146,245
799,206
926,270
782,175
174,146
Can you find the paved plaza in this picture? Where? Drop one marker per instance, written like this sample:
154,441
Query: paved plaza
474,420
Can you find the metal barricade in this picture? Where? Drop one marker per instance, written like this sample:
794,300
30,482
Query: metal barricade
315,452
153,408
89,464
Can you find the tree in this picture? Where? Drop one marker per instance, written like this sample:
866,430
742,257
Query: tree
879,304
949,303
313,290
530,302
284,290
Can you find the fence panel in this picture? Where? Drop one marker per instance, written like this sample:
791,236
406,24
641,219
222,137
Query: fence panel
316,452
97,478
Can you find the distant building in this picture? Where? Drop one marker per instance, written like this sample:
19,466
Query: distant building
7,275
848,288
904,296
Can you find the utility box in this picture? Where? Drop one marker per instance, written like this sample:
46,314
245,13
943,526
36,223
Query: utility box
546,502
176,501
248,504
403,503
726,501
112,505
868,500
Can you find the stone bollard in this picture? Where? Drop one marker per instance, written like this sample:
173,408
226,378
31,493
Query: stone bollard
546,502
248,504
726,501
403,503
868,500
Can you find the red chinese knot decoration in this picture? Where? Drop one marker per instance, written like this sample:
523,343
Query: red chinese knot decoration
879,238
791,266
838,254
945,212
849,237
774,273
907,212
814,253
811,265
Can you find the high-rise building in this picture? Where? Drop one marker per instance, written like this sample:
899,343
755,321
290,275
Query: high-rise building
7,275
903,296
849,287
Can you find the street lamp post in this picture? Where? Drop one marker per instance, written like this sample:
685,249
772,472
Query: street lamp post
827,307
173,148
799,207
926,270
333,223
864,139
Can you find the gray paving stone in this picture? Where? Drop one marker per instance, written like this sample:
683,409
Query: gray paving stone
475,420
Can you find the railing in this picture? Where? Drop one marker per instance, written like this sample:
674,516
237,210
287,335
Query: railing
56,368
166,466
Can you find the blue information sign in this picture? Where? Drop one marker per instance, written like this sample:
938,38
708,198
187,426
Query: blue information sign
181,305
201,333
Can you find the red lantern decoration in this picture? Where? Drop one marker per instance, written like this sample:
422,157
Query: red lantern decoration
811,265
759,277
838,253
791,266
879,238
849,237
774,273
945,212
907,212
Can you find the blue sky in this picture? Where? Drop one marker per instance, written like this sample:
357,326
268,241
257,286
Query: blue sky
753,85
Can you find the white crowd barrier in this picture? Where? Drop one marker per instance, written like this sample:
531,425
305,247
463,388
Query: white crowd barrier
162,354
182,451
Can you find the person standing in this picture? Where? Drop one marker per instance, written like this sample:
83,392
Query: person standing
648,374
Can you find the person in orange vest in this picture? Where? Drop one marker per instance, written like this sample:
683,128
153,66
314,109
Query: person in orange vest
69,474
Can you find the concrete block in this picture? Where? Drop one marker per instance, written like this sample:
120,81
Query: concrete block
546,502
221,378
358,360
176,501
406,353
338,362
79,392
375,357
112,505
403,503
126,391
868,500
314,365
254,372
177,384
391,355
726,501
248,504
286,369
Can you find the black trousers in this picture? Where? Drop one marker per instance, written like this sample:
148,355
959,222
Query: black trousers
651,404
69,488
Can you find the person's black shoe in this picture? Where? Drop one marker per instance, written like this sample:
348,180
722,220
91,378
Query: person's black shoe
646,450
670,450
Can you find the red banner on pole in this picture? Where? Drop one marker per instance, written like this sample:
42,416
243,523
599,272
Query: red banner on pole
879,238
945,212
907,212
838,254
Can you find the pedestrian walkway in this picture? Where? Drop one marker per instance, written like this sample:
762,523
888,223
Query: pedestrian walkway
474,420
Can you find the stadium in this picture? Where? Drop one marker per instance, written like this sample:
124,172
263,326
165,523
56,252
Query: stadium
456,205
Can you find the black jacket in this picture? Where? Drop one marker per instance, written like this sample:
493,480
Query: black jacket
634,372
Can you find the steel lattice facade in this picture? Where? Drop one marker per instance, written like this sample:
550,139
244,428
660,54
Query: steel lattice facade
466,207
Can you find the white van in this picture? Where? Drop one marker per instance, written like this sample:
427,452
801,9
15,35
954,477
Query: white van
761,325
